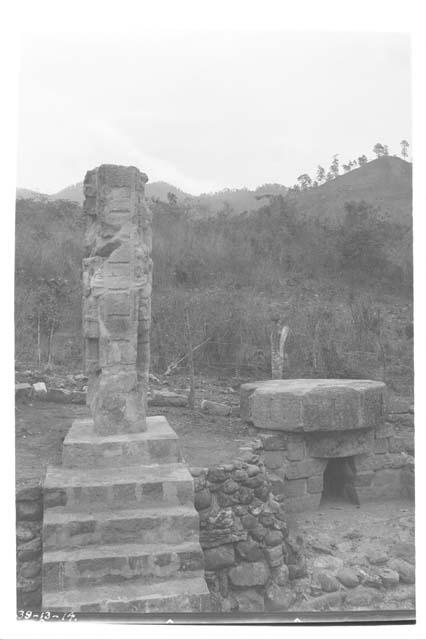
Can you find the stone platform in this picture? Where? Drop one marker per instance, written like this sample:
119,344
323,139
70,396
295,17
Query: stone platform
120,531
304,424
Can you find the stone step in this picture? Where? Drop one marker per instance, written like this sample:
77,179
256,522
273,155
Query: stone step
100,564
84,448
135,596
64,529
127,487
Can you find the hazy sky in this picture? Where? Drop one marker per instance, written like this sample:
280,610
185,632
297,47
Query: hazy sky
205,111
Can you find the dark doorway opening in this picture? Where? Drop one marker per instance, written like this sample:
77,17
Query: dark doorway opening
339,477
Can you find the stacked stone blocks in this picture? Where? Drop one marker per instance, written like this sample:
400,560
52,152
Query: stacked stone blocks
119,536
304,423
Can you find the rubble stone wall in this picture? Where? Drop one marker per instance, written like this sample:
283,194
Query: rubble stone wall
29,515
249,555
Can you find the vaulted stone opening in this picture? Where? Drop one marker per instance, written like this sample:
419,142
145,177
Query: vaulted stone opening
338,481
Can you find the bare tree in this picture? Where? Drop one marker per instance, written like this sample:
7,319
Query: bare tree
404,148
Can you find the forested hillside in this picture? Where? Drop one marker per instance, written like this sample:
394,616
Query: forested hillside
343,288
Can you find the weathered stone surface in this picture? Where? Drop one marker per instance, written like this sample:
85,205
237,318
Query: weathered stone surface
83,448
296,447
316,405
31,569
315,484
202,499
240,475
245,495
249,600
389,577
331,564
273,538
25,533
215,408
196,472
273,441
280,575
249,574
304,468
363,479
219,557
340,445
385,430
263,491
302,503
245,392
361,597
229,486
274,556
54,498
294,488
29,491
165,398
328,582
404,550
278,598
28,585
252,470
249,521
258,533
116,297
28,510
370,579
404,569
65,396
348,577
273,459
216,474
381,445
214,536
297,570
30,550
23,391
250,550
39,389
327,601
377,556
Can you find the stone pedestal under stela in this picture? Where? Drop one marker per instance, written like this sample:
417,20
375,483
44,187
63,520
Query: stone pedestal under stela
304,424
120,531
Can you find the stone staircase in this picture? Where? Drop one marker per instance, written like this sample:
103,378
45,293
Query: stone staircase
120,531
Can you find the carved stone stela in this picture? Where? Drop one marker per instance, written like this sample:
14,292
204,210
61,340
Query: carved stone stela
117,280
120,530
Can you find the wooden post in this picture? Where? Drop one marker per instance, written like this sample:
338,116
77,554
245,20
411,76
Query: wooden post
278,340
191,397
38,338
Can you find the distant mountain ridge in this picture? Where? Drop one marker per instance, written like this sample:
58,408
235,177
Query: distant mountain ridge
385,183
237,200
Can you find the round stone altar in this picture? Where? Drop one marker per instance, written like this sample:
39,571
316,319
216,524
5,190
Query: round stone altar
323,435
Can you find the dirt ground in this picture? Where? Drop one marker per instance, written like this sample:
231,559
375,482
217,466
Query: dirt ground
344,535
41,428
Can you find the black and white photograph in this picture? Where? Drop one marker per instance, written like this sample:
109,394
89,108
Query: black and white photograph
213,327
